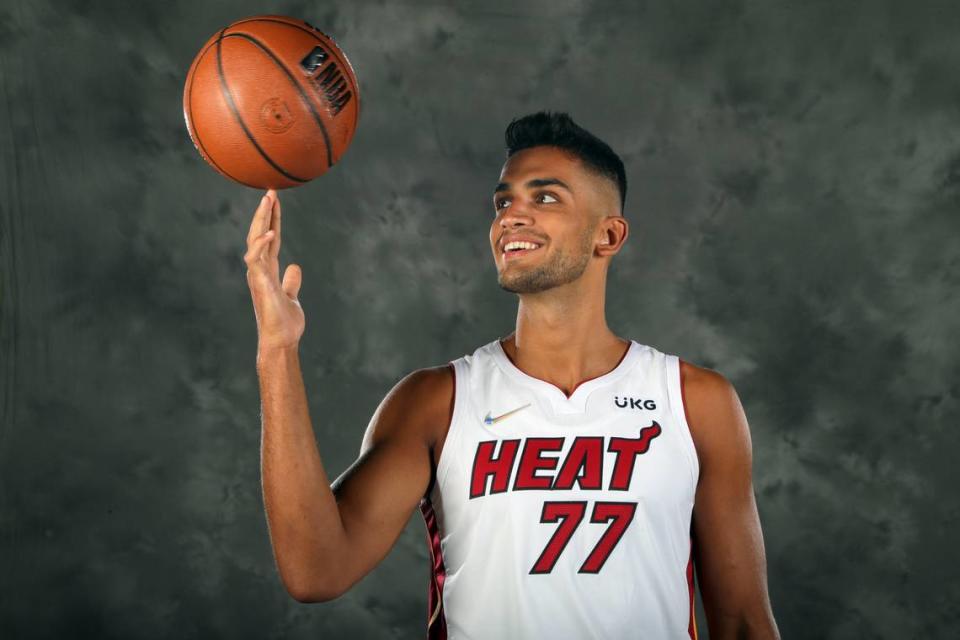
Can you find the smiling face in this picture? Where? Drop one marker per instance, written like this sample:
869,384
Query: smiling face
548,208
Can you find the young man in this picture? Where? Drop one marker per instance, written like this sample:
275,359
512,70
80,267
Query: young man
570,479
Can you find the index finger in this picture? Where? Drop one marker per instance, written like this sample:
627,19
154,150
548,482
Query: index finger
275,225
261,220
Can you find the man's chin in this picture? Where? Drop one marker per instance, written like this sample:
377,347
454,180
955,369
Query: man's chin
522,285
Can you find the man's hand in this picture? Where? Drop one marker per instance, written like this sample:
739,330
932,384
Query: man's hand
280,319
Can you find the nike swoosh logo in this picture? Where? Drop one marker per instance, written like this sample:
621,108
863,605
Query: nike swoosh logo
489,420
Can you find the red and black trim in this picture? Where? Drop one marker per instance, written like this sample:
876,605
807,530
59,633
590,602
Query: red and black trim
436,618
692,625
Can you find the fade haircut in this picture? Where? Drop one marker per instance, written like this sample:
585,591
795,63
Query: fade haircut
557,129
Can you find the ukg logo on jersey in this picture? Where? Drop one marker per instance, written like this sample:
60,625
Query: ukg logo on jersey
634,403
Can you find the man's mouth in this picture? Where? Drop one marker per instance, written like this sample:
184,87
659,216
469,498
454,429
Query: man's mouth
518,248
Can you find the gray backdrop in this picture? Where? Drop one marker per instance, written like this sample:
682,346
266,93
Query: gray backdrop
794,175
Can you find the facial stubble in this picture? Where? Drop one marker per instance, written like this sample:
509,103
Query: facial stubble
563,267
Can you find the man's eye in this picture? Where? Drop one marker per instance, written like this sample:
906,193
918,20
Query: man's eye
499,204
547,195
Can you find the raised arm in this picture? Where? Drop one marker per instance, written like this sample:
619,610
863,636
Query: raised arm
729,551
325,538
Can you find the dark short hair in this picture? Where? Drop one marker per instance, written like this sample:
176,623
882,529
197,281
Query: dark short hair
557,129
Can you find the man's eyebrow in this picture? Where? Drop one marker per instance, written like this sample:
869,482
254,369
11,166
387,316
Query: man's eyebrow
532,184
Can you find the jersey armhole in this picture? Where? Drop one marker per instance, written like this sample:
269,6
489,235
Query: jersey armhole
675,394
450,442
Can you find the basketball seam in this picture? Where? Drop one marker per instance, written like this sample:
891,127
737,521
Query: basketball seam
233,107
196,131
335,50
293,81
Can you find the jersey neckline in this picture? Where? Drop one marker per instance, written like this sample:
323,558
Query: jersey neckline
577,401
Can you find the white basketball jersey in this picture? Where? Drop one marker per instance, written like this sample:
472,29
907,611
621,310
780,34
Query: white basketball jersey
555,517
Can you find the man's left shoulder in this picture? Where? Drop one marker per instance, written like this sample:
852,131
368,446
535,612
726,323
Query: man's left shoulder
702,385
713,410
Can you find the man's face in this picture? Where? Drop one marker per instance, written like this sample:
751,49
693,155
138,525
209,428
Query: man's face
546,197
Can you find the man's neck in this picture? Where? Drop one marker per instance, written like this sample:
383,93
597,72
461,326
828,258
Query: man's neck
562,338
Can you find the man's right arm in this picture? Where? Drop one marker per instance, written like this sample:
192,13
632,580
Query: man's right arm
327,537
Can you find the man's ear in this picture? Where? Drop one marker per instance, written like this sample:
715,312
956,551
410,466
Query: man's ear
614,231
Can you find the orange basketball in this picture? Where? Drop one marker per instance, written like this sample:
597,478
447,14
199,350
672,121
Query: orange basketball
271,101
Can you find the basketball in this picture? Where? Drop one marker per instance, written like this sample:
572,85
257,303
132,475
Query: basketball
271,102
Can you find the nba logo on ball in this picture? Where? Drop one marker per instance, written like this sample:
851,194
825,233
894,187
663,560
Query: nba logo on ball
330,82
271,102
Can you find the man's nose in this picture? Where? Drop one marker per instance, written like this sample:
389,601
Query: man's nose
515,216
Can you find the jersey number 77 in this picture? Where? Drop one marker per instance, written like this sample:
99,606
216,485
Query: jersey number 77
569,515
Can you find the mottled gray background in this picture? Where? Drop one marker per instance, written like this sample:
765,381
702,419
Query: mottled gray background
794,178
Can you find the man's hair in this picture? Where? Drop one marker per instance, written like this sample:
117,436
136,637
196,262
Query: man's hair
558,129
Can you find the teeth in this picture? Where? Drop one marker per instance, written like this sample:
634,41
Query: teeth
516,244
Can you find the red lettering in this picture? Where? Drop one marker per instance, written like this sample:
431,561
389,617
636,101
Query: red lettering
485,465
627,450
586,454
532,460
582,465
